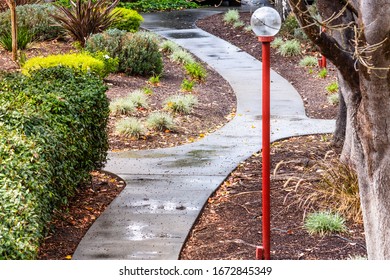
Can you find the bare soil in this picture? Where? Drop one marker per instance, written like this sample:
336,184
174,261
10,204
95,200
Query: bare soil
230,224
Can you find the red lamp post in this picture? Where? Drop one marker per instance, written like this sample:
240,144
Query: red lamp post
266,23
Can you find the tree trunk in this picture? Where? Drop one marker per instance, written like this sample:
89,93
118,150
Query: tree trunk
364,70
14,32
283,8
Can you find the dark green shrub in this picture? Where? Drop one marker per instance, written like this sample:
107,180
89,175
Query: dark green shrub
140,55
53,133
126,19
84,18
24,38
35,18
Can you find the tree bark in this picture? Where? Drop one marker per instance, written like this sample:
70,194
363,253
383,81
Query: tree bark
363,63
283,8
14,32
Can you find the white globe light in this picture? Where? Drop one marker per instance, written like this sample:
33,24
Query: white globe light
266,22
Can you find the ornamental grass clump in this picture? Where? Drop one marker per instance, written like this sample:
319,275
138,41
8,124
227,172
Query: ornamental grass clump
324,222
196,71
169,47
139,99
122,106
160,121
308,61
182,56
290,48
231,17
130,127
181,103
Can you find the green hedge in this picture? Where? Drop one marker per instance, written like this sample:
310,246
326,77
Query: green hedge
126,19
52,135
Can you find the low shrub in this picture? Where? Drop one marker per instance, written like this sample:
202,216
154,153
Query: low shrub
140,55
53,134
78,61
109,41
35,18
126,19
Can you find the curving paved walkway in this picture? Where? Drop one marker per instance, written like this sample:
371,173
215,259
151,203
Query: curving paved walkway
167,188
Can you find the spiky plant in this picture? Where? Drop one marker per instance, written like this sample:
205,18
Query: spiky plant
84,18
160,121
130,127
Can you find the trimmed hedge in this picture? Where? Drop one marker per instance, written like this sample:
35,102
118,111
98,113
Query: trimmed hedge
52,135
79,61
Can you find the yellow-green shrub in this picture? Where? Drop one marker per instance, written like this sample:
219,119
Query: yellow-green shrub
126,19
77,61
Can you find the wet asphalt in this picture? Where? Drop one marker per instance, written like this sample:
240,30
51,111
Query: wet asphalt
167,188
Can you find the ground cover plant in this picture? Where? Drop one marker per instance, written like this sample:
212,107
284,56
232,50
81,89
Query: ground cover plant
158,5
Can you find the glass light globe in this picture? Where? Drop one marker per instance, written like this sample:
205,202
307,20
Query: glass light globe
266,22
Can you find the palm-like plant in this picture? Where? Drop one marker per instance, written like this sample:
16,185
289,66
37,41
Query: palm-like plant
85,18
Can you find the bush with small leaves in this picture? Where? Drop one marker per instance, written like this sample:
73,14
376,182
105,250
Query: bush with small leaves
324,222
290,48
308,61
77,61
126,19
140,55
109,41
130,127
160,121
181,103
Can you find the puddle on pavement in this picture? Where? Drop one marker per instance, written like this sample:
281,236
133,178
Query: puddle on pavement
184,35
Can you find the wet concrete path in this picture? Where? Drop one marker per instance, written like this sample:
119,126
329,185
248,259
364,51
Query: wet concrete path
167,188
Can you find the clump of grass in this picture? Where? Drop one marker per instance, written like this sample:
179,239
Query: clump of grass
181,103
333,99
323,73
290,48
238,24
139,99
122,106
195,71
154,80
277,42
308,61
231,16
324,222
147,90
332,87
169,47
182,56
130,127
160,121
248,28
187,85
